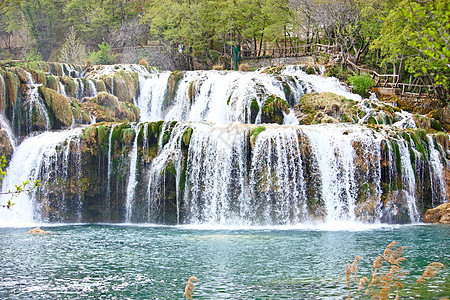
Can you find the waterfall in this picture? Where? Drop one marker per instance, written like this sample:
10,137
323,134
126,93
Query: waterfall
35,158
439,192
216,174
194,157
153,89
92,90
4,123
334,155
131,185
168,160
108,184
408,180
276,178
223,97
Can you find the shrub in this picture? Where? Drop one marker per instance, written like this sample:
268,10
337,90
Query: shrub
361,83
244,67
102,56
218,67
143,62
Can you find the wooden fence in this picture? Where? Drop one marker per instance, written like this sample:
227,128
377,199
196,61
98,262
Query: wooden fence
301,50
119,50
392,81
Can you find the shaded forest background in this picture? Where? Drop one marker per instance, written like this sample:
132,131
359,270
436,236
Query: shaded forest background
405,37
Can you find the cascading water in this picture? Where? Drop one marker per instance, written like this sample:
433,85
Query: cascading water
131,186
36,158
210,167
439,192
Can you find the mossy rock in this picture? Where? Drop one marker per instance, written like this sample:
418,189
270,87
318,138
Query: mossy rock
186,138
6,148
108,82
21,74
254,134
316,108
56,69
52,82
69,85
59,107
273,109
172,85
80,116
128,136
273,70
124,86
107,108
427,123
39,77
192,91
12,87
100,85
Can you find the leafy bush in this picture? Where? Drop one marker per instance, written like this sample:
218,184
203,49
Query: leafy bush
102,56
361,83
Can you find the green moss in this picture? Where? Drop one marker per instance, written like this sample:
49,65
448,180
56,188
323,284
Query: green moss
172,85
60,109
12,86
398,159
187,137
69,85
192,91
272,111
254,105
52,82
166,137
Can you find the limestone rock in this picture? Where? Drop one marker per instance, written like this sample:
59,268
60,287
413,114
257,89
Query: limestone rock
37,230
439,214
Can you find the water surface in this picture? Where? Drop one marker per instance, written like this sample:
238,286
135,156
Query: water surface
153,262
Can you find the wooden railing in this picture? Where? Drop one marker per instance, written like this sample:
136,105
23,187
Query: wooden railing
127,49
392,81
300,50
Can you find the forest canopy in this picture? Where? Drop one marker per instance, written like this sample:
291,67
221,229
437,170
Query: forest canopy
403,36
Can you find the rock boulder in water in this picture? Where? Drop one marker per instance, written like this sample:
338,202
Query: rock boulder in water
37,230
440,214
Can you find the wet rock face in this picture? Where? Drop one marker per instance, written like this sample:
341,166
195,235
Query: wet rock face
440,214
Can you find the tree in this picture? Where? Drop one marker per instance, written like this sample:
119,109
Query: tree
416,35
73,51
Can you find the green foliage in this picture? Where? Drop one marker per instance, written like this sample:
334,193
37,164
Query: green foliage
361,83
24,187
102,56
33,56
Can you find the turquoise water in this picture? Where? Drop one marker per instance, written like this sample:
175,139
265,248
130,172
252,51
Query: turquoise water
150,262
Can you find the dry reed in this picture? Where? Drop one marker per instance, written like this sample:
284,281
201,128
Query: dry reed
430,271
243,67
387,274
218,67
189,288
